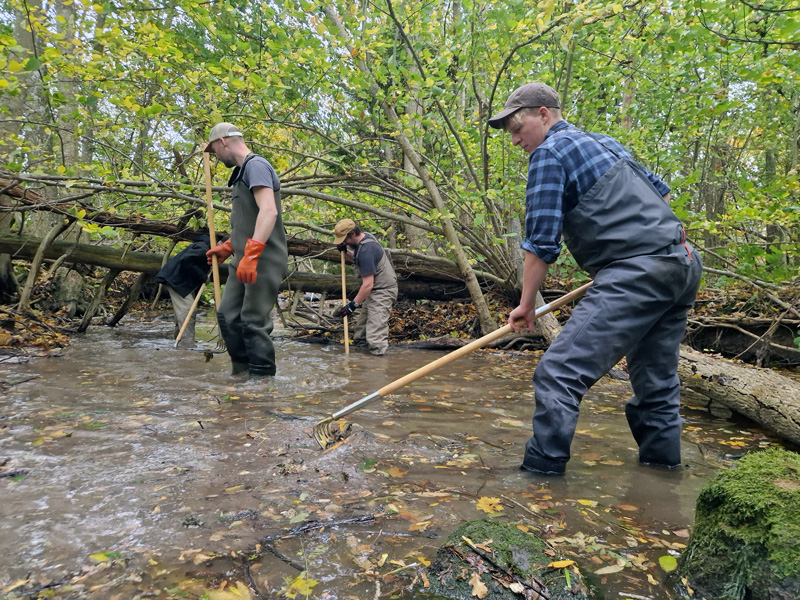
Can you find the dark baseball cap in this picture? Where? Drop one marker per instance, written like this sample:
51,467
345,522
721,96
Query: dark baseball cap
530,95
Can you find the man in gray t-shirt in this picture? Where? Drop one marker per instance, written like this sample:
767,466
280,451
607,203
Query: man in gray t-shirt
378,290
260,257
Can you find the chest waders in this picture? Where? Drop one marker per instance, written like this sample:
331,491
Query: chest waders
372,323
244,314
645,281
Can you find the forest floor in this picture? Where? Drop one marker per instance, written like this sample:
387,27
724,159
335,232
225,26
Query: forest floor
732,321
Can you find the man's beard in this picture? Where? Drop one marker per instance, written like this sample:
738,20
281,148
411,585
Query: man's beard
228,162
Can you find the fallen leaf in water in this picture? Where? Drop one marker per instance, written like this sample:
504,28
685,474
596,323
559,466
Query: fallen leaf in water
609,570
560,564
591,456
16,584
668,563
684,533
628,507
479,589
100,557
300,586
238,592
591,503
489,505
396,472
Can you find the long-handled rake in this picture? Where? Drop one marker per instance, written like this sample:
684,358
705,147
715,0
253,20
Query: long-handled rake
323,431
212,236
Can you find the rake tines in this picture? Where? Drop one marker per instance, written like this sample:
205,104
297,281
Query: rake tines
322,433
330,431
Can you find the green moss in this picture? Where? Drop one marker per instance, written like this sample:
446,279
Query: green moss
746,529
511,550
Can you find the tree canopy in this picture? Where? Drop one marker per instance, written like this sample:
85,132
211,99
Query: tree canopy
378,111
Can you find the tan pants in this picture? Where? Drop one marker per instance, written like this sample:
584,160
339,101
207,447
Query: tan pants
372,323
181,305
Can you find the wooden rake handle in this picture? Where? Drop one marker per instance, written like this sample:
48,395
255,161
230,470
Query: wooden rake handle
344,301
189,314
479,343
212,234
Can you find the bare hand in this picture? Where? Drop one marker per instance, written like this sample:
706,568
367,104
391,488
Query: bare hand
522,318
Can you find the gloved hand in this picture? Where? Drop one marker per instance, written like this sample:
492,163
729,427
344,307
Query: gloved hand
223,252
341,247
348,309
246,271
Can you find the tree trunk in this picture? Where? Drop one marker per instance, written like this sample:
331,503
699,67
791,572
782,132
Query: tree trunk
36,263
764,396
97,300
133,296
487,322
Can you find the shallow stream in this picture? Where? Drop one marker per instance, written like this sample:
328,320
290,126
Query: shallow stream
137,470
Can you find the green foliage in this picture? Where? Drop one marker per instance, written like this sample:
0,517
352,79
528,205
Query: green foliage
702,93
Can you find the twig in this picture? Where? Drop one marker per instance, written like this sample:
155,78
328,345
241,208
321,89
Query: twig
314,525
542,588
250,581
528,510
747,333
758,286
272,550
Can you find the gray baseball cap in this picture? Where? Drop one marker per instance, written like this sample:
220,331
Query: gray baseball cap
222,130
530,95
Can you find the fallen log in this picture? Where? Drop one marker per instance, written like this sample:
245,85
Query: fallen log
766,397
411,288
405,263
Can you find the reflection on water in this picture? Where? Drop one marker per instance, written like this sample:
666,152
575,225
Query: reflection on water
150,468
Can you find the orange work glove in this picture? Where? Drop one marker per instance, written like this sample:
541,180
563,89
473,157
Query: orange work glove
223,252
246,271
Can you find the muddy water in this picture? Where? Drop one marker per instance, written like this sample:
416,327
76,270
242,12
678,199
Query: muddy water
144,471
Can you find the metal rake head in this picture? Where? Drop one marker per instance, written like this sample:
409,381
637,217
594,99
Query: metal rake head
328,431
220,347
322,433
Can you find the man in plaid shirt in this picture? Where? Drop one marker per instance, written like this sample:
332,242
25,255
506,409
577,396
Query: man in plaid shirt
614,216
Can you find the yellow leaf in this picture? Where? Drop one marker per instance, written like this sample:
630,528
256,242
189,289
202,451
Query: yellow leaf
560,564
617,8
100,557
591,503
396,472
301,586
479,589
15,585
238,592
424,561
421,526
489,505
609,570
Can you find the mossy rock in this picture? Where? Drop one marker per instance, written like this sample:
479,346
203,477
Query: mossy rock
747,527
511,564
